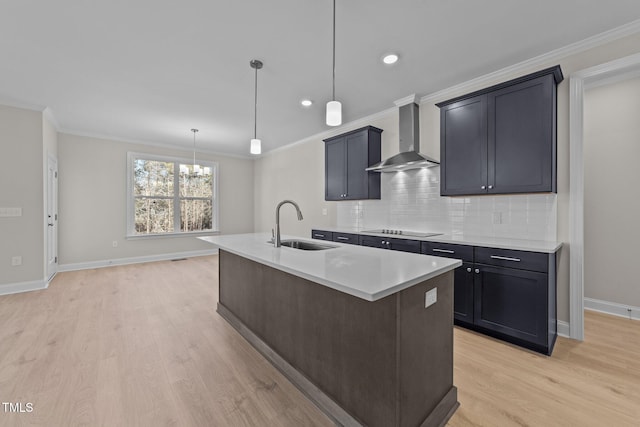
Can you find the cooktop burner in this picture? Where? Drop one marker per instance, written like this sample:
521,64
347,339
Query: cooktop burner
402,232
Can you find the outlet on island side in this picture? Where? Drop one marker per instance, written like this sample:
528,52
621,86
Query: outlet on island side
430,297
16,261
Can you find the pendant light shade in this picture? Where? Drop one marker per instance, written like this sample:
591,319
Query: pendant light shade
334,108
256,144
334,113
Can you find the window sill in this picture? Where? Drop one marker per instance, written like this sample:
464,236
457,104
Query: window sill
171,235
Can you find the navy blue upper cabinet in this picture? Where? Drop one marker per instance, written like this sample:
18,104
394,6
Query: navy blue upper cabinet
346,158
501,140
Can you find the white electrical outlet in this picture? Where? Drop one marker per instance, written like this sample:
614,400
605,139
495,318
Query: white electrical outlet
497,217
430,297
16,261
324,211
115,244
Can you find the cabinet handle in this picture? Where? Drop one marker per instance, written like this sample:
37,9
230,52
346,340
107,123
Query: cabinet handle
468,269
477,270
318,235
490,187
483,187
342,238
505,258
446,251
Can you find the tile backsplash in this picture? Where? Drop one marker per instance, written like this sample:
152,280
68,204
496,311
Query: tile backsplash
411,201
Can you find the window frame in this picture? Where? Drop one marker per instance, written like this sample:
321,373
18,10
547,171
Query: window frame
176,199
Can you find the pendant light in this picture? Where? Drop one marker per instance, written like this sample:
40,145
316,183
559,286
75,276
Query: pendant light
196,168
256,144
334,108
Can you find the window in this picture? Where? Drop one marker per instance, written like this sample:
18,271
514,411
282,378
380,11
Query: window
170,196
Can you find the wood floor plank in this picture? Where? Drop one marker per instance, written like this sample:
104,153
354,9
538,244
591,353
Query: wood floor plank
142,345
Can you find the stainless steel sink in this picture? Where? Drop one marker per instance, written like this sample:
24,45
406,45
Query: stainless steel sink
306,246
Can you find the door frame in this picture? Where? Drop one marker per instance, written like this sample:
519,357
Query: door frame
51,269
599,75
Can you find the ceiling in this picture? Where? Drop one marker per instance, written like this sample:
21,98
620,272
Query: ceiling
150,70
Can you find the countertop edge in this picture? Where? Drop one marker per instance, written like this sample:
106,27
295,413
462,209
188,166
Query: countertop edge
542,246
374,296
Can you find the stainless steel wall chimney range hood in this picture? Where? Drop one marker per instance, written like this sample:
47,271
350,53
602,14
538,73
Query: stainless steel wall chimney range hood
409,156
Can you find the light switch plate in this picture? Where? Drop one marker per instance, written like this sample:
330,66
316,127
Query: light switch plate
430,297
10,212
16,261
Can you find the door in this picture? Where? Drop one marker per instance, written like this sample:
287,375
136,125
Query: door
463,147
52,217
463,294
520,128
357,181
512,302
335,170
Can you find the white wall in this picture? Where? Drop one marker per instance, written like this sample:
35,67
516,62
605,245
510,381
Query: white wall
297,172
92,205
611,202
294,184
21,186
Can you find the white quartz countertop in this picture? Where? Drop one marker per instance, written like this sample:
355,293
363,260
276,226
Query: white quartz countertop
367,273
464,239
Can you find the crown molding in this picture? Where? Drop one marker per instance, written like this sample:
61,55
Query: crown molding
406,100
151,144
538,61
346,127
48,114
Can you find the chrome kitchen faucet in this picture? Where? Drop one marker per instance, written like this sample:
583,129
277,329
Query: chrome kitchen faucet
276,237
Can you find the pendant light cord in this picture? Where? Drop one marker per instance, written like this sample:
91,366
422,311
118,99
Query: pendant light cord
334,51
255,108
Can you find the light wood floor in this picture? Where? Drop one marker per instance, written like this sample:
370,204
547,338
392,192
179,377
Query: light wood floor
141,345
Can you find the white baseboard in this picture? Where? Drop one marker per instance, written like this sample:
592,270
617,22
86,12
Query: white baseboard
612,308
563,329
14,288
133,260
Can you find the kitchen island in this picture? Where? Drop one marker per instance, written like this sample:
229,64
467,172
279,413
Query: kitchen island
347,325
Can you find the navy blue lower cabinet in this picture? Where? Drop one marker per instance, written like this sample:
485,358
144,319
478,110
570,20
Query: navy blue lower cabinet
404,245
512,302
463,304
321,235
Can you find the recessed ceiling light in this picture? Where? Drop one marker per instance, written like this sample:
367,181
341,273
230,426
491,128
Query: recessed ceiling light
306,102
389,59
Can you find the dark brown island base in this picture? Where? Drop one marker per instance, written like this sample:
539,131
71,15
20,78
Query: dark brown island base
383,363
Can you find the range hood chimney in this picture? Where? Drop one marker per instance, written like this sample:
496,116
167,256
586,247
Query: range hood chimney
409,131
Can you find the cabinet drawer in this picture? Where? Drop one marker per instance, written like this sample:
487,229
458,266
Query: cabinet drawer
448,250
345,238
321,234
523,260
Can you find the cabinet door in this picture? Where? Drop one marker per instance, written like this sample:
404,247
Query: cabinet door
521,133
511,302
463,147
463,294
357,179
335,170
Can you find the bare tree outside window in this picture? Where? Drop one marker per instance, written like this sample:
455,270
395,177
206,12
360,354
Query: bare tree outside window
172,197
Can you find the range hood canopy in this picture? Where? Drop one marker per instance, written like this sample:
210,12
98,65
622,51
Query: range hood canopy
409,156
